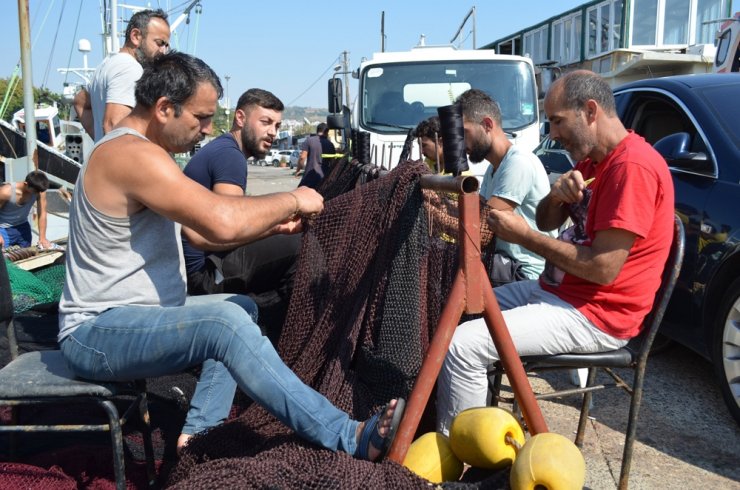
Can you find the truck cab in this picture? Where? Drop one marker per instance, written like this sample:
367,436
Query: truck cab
397,90
727,58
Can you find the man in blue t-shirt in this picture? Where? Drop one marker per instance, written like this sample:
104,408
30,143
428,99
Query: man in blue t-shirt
262,269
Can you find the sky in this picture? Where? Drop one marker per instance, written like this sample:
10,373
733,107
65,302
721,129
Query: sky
289,48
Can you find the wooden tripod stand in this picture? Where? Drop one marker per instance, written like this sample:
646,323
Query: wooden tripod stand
471,293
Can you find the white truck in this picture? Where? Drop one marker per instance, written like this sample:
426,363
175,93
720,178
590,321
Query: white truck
727,58
397,90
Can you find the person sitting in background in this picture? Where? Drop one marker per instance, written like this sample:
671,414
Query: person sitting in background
602,273
16,201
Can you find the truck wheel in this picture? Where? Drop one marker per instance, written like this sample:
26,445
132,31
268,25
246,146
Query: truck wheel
726,348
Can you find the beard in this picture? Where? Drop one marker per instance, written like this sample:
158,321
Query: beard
580,143
140,55
251,145
479,150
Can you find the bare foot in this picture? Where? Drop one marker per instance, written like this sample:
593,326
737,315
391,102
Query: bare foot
383,428
182,441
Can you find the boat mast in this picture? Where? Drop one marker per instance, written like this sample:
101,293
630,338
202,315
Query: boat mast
24,27
114,26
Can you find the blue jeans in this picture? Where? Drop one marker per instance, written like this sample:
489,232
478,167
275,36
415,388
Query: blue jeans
17,235
132,342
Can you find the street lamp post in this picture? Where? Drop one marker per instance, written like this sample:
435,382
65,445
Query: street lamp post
228,101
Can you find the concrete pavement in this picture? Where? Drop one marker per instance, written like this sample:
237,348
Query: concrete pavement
686,438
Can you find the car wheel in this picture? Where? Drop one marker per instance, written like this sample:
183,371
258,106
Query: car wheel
726,347
275,163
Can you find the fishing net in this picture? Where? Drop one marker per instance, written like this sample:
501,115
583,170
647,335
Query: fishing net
31,289
373,275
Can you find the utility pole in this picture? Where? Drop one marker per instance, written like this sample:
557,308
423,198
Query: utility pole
471,12
345,69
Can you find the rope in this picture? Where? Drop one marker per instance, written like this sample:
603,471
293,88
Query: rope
74,36
53,43
513,442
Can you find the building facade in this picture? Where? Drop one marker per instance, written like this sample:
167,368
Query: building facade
623,40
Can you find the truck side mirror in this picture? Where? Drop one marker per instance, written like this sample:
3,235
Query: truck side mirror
335,95
335,121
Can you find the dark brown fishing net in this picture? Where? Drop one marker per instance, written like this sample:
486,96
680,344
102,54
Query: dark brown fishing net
374,272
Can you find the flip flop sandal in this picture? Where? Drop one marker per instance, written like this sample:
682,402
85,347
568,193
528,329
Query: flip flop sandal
370,434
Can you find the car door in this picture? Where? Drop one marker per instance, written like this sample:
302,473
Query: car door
655,113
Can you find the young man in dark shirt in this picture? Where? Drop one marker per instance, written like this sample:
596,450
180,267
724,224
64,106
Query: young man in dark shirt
264,268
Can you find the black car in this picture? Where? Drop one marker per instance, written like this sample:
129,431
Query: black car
694,122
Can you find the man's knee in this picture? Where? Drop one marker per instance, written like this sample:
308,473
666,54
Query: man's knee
471,346
246,303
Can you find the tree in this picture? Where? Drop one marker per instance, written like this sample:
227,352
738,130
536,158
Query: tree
15,98
222,122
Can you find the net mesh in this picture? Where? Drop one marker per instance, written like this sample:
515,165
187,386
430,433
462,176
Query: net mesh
374,272
34,288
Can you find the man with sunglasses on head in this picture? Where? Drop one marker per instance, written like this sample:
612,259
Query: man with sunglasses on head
109,97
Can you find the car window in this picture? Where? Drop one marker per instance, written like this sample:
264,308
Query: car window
654,116
722,100
554,158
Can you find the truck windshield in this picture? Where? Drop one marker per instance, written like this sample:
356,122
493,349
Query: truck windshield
397,96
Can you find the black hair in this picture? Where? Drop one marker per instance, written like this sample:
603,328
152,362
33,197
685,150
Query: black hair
261,98
476,104
583,85
37,180
321,128
140,20
428,128
176,76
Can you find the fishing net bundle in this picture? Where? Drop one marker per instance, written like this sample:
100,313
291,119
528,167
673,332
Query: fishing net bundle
31,289
374,273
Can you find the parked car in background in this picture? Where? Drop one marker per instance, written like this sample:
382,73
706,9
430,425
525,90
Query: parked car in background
694,122
554,157
270,156
282,155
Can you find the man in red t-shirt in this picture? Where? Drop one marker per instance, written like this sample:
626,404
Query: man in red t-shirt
601,273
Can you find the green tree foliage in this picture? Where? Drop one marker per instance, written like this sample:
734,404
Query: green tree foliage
222,121
15,98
